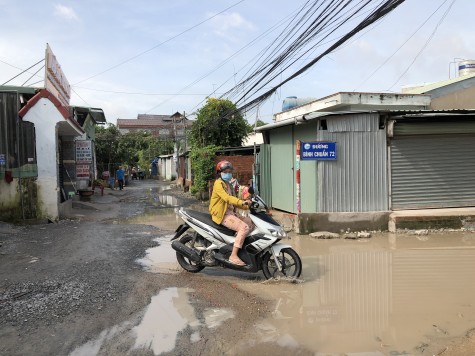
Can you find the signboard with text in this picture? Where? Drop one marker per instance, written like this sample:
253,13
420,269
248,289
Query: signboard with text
82,170
318,151
55,80
83,151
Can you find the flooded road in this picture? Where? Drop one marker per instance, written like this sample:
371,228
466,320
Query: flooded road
390,294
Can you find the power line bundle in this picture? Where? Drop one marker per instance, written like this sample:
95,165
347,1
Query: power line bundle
309,29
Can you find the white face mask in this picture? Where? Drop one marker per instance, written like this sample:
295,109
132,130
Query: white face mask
226,176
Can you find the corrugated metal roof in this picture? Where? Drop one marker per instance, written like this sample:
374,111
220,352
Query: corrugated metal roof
425,88
408,114
20,90
400,113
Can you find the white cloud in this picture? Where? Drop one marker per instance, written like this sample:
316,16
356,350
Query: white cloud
65,12
227,23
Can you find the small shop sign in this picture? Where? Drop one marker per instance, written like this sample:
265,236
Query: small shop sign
82,171
83,151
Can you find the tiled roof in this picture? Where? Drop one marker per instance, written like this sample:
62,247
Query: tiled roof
150,121
44,93
141,123
154,117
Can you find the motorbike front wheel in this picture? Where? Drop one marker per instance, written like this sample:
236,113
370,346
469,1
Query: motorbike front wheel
288,259
185,262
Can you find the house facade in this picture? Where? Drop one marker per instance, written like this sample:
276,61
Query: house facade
38,149
163,126
348,169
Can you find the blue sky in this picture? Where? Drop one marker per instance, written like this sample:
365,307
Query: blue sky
159,57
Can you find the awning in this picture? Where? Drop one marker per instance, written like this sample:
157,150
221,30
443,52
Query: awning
82,113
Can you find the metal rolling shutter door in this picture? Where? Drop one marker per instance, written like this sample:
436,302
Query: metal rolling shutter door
433,171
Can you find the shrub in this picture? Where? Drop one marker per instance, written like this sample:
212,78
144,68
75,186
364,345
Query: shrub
202,161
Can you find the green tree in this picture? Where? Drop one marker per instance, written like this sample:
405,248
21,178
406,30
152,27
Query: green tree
107,147
155,146
136,148
250,127
131,144
218,123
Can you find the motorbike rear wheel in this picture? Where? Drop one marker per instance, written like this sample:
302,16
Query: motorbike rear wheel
290,262
185,262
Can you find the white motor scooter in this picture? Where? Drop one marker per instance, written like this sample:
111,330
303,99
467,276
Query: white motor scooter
210,244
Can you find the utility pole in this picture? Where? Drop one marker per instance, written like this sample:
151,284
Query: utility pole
185,149
175,148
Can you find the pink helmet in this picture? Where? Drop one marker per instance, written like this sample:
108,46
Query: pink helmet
222,165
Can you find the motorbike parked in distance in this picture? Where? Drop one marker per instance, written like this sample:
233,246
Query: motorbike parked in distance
209,244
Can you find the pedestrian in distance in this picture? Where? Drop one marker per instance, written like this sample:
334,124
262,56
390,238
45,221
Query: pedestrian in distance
221,207
120,175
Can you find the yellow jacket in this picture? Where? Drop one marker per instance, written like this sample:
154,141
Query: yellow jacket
220,199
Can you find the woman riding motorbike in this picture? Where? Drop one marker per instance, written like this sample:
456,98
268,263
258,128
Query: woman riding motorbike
222,205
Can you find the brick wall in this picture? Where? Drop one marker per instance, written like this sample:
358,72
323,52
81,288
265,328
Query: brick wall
242,166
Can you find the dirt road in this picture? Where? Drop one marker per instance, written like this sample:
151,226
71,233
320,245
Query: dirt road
104,282
64,285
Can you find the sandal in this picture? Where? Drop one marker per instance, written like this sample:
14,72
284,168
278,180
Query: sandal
237,263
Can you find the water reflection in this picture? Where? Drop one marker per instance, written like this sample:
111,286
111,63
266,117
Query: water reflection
156,328
160,259
168,313
384,296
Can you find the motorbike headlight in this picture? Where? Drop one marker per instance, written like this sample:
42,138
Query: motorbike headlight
278,233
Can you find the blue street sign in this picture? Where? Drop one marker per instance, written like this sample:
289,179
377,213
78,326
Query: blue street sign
318,151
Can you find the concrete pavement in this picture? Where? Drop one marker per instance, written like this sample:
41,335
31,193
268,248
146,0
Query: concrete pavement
454,218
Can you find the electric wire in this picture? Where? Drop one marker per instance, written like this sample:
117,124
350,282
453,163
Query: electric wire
285,36
400,47
382,9
140,93
292,61
9,80
160,44
298,59
26,81
327,14
424,46
265,33
79,96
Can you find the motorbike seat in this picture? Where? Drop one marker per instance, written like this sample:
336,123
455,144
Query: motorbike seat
206,218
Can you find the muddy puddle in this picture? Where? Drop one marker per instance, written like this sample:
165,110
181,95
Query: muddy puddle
157,326
160,259
389,294
386,295
160,210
